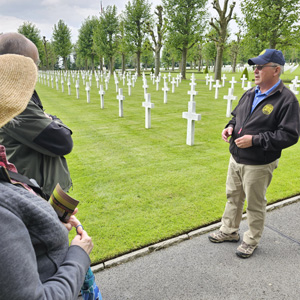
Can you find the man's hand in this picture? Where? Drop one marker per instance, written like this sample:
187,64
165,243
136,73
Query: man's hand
244,141
226,133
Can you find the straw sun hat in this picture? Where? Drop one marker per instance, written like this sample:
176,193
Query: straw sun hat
18,75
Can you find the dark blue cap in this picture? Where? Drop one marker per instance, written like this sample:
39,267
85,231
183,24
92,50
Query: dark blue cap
267,56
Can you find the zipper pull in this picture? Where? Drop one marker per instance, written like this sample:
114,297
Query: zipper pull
240,130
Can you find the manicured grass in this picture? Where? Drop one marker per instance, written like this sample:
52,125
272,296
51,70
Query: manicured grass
138,186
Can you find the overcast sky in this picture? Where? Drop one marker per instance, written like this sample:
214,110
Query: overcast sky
45,13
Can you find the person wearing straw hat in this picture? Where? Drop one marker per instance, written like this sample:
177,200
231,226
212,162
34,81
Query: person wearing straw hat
35,257
36,142
265,121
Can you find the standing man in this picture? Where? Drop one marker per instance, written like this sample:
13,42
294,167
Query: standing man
265,121
35,141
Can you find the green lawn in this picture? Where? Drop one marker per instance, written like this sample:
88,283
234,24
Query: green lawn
138,186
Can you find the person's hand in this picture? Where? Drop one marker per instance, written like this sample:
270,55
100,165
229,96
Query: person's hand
244,141
226,133
73,221
83,240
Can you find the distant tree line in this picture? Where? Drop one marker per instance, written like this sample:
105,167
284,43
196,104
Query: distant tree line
177,34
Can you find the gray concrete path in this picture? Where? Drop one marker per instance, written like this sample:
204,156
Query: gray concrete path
197,269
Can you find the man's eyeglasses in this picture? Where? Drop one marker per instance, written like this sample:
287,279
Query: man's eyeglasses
37,62
259,68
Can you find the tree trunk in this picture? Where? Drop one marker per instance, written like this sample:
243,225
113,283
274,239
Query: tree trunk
157,62
234,62
173,64
93,64
219,63
183,62
123,63
111,65
138,67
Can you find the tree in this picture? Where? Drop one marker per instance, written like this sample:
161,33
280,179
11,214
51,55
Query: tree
234,50
85,43
158,40
147,54
271,23
31,32
185,25
62,41
123,46
136,15
221,29
106,34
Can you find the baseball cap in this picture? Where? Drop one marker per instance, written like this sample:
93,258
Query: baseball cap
267,56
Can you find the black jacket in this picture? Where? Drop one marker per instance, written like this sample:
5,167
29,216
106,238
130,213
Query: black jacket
274,125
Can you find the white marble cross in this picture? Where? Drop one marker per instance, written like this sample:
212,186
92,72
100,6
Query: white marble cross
177,80
244,79
210,81
223,80
157,83
229,98
232,83
173,84
62,84
191,117
145,86
69,86
169,76
52,81
293,88
192,92
77,88
165,79
87,88
97,80
101,93
148,106
217,86
206,78
121,98
129,86
117,84
248,87
165,89
106,83
56,81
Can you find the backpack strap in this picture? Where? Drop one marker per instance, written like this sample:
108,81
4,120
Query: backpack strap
7,176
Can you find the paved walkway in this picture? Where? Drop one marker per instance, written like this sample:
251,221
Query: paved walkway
197,269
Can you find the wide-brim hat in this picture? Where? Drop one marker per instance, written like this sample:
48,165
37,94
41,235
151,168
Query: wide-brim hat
267,56
18,76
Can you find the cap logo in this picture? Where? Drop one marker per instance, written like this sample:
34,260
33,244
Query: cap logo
262,52
267,109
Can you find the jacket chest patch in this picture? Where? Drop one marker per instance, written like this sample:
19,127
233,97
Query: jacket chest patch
267,109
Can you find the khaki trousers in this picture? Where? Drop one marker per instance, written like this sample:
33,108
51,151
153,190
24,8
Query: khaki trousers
247,182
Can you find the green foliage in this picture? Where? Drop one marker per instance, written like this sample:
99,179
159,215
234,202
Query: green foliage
147,54
106,34
137,13
85,45
206,70
245,72
62,40
185,25
271,24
